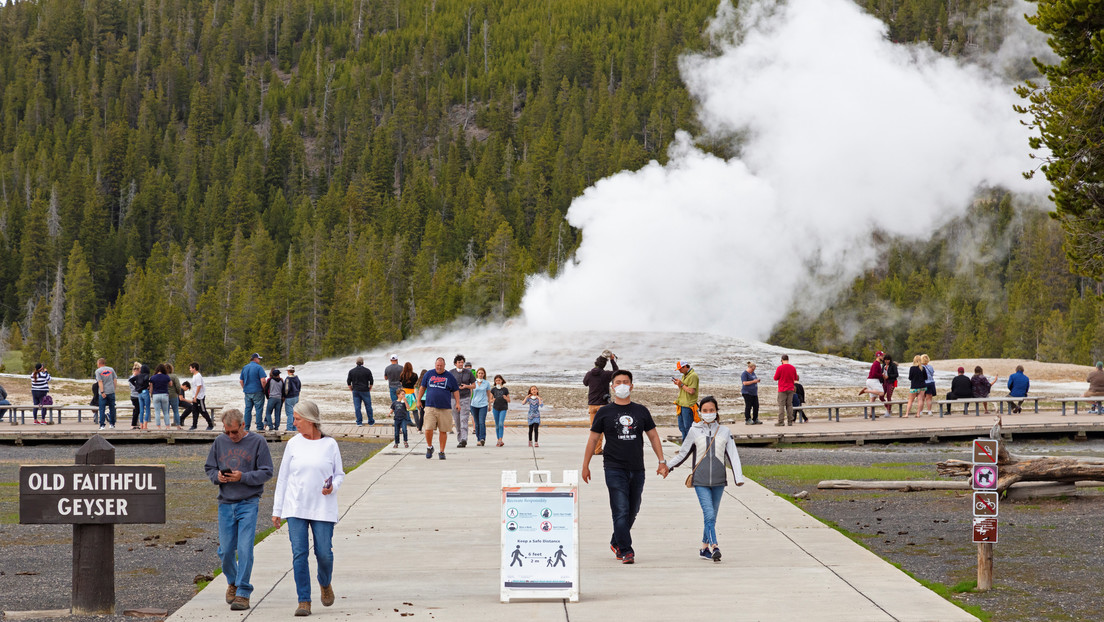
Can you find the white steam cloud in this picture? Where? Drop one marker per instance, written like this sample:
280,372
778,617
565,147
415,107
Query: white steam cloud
842,134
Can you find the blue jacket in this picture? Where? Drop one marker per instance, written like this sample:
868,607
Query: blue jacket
1018,384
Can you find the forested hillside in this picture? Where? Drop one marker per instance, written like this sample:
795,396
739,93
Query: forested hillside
197,179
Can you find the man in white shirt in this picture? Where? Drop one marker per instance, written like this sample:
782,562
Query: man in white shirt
200,404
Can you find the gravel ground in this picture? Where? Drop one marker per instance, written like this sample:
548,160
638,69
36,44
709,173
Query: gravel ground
1046,563
155,564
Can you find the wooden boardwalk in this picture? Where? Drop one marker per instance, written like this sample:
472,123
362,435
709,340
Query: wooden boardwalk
853,429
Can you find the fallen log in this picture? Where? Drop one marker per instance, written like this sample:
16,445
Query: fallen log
920,485
1012,469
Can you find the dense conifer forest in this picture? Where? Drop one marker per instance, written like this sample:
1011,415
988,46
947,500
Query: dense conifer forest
198,179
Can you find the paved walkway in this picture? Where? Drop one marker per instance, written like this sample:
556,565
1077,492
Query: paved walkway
421,537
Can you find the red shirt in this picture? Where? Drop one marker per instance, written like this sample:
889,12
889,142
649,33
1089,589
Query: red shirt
786,376
875,371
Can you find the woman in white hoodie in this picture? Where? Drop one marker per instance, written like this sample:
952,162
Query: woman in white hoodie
710,446
310,475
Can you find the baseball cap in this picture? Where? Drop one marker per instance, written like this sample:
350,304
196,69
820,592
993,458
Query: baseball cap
394,357
879,353
961,370
255,355
682,363
291,368
276,370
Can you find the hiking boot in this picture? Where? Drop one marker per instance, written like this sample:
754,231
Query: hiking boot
705,554
240,603
628,558
716,553
231,592
327,595
429,452
303,609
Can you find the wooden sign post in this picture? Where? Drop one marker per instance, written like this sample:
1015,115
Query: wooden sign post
986,503
93,496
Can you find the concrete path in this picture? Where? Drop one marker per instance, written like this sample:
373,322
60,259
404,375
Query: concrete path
421,537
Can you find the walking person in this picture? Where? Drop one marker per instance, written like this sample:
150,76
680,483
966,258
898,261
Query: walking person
929,382
624,423
159,394
420,398
749,390
310,475
199,398
408,380
292,388
400,412
785,375
252,380
465,380
480,400
360,383
710,447
40,389
918,386
687,400
597,382
274,391
187,406
106,381
392,374
441,394
239,463
175,391
500,406
534,402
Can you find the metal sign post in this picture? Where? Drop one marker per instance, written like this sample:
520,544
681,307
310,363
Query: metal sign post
540,537
985,507
93,496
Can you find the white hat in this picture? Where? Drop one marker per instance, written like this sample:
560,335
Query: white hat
394,357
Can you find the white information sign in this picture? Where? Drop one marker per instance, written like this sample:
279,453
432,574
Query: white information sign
540,535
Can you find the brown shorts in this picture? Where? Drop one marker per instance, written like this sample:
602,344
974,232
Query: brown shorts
439,419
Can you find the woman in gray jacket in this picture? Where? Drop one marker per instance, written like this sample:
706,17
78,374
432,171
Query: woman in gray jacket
710,446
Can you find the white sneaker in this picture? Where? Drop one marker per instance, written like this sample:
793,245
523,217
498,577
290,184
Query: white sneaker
112,426
101,427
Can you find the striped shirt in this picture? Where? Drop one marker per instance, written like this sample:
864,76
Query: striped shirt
42,383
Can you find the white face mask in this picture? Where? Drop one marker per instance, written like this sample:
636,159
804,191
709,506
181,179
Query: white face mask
498,384
708,417
621,391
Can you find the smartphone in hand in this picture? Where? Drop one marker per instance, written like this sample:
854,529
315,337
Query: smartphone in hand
225,471
328,483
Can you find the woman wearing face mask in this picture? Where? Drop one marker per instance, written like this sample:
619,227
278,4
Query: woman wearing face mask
711,445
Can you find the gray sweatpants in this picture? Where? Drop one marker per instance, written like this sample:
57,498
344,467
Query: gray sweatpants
461,419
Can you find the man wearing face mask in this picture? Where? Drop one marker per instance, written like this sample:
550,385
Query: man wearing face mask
624,424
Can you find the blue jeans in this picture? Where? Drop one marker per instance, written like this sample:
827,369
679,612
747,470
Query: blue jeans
237,526
272,412
394,391
685,420
289,411
36,398
401,422
255,402
144,406
710,499
479,414
300,546
107,403
174,404
161,407
625,489
500,422
366,398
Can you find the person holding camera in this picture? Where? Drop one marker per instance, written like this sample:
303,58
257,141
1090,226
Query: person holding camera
597,382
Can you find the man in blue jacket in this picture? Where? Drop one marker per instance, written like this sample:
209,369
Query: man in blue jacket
1018,385
252,381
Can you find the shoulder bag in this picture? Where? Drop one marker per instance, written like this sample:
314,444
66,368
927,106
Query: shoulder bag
708,450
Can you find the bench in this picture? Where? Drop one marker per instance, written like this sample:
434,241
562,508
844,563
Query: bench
1077,400
10,411
856,405
977,401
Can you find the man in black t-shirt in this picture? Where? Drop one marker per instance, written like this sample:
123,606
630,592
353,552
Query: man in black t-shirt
624,424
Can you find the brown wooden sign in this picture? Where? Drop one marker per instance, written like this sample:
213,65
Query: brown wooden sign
92,494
